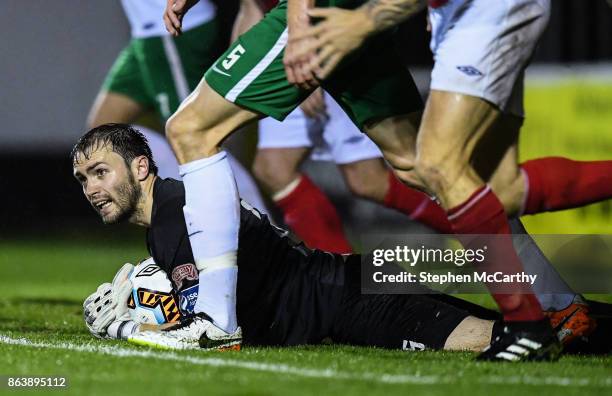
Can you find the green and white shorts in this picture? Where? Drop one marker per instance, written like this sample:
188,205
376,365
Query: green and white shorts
371,85
159,72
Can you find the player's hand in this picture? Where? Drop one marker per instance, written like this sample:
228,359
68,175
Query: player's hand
296,67
314,105
174,13
338,33
109,303
98,312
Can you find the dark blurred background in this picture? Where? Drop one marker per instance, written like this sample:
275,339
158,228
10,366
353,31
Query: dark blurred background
55,55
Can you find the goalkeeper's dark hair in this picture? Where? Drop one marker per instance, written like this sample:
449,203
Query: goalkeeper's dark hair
123,139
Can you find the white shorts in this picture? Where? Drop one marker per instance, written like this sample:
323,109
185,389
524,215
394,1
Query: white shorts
334,139
482,47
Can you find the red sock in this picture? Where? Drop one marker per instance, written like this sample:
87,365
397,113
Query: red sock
556,183
416,205
484,214
313,218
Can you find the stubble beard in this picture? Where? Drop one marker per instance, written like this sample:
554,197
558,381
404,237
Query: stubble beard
127,200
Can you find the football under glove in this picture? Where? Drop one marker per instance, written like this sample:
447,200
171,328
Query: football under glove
105,311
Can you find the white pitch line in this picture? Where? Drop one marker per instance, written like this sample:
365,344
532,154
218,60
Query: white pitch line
276,368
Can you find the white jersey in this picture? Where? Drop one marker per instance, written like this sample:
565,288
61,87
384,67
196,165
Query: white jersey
146,16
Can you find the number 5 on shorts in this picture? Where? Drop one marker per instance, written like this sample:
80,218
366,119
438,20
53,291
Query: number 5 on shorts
233,57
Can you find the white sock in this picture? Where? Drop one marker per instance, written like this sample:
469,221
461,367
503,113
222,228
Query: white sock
217,297
212,216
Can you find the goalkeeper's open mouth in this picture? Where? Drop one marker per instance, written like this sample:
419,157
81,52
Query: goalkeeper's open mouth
103,207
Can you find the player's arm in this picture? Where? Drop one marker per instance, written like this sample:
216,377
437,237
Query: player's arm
339,31
296,66
174,13
248,15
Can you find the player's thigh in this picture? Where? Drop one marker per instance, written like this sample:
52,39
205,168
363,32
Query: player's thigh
453,127
251,73
114,107
122,97
172,67
202,122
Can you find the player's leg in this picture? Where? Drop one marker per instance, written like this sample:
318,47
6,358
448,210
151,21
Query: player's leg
240,79
113,107
281,149
367,175
171,67
410,322
472,334
469,90
453,127
545,184
567,311
380,97
277,168
195,132
367,178
122,97
557,183
357,157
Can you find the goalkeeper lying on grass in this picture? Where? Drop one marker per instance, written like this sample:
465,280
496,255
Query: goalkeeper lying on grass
287,294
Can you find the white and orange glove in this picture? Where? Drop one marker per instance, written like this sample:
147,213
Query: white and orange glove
105,311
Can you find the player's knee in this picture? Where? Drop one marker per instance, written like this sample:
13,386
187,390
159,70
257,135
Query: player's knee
184,130
404,168
176,127
173,127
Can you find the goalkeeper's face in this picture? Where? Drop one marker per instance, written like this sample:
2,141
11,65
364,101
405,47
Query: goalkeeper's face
109,185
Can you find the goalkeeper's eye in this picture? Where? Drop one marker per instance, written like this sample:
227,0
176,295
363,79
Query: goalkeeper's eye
100,172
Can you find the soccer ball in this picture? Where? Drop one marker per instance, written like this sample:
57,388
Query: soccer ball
153,299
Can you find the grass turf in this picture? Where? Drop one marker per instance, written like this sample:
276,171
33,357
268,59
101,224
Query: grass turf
43,285
44,281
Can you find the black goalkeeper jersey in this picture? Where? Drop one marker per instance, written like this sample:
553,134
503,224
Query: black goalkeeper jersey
286,293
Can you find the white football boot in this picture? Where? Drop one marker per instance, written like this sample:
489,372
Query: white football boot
195,332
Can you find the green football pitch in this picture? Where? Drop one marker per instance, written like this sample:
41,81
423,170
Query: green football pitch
42,334
44,280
